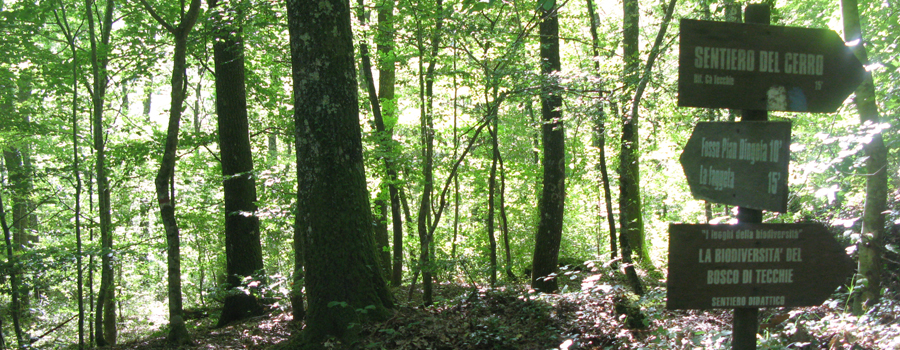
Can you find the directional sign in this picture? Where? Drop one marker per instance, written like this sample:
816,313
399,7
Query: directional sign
743,164
763,67
753,265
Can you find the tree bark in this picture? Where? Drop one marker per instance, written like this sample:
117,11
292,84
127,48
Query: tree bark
13,278
492,184
552,202
384,42
386,147
427,126
105,318
334,216
504,223
630,214
871,247
178,333
243,252
599,142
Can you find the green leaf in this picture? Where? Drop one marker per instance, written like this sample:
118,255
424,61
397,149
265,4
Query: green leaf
337,303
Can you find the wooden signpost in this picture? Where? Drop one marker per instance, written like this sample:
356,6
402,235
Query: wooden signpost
743,164
757,68
753,265
763,67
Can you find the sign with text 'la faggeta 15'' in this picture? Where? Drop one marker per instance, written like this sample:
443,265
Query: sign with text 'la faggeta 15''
743,164
763,67
753,265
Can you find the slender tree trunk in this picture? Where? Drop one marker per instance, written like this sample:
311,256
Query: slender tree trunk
384,143
334,216
243,252
631,218
165,195
13,279
871,246
148,100
492,184
76,170
425,215
552,202
455,176
106,306
504,223
599,141
386,79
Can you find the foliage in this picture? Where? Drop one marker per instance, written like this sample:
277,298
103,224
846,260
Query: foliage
490,48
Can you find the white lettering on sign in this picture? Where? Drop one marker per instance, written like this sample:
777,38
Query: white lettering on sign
729,301
777,300
724,58
793,255
717,178
754,151
743,60
723,276
804,63
778,234
747,255
768,62
775,276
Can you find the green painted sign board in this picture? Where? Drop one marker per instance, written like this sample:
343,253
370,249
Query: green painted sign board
743,164
753,265
763,67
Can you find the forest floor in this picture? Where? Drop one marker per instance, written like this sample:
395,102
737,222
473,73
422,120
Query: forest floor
593,311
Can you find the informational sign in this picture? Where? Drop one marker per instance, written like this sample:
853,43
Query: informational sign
753,265
763,67
743,164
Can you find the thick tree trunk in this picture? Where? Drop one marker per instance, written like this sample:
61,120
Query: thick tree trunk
165,195
334,216
871,246
552,202
243,252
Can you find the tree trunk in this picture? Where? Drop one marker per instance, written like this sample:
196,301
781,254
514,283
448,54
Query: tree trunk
105,318
384,143
165,195
599,142
871,246
243,252
630,214
13,278
552,202
78,188
504,223
492,184
386,79
334,216
427,125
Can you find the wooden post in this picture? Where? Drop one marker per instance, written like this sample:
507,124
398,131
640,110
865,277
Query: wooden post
745,322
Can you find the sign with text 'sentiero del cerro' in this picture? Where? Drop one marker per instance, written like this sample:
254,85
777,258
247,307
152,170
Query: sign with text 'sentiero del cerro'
763,67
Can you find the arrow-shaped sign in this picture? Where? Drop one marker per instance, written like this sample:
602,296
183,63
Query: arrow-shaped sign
743,164
763,67
753,265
